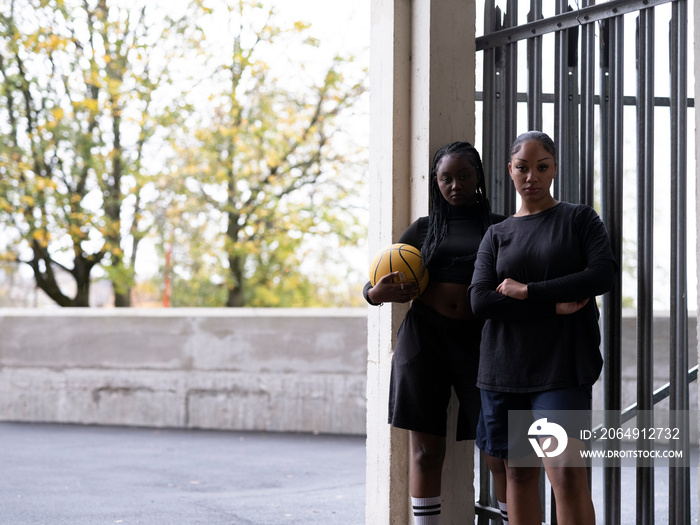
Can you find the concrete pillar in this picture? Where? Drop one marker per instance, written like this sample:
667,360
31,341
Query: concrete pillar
422,81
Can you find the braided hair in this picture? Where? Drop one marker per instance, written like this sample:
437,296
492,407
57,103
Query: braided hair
439,207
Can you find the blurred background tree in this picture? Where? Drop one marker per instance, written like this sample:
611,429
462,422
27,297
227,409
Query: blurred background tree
80,82
133,125
262,163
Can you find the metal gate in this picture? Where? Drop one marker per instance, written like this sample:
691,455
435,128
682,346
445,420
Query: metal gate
588,79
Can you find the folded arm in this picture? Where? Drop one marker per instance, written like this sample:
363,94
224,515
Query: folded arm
488,303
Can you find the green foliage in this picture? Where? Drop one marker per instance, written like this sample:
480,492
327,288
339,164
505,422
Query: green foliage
235,174
263,168
77,82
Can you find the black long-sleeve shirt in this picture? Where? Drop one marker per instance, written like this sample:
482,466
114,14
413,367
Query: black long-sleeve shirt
563,254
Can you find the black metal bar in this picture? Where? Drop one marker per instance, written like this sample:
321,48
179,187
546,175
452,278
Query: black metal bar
489,74
501,42
587,147
566,185
484,511
645,261
572,96
665,391
486,514
534,62
587,15
492,150
612,125
660,394
548,98
511,102
560,90
541,486
494,140
679,477
482,500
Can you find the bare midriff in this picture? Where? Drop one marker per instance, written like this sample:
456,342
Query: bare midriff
448,299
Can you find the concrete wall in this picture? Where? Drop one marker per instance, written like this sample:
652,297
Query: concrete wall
243,369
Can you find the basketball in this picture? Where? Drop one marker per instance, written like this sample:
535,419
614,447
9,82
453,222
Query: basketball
402,258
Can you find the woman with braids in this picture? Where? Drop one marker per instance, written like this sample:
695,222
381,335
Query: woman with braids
535,282
437,345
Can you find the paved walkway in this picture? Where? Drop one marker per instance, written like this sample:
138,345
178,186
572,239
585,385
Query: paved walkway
83,475
87,475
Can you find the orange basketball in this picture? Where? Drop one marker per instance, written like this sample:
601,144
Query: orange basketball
402,258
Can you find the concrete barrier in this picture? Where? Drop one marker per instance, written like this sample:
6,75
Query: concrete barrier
301,370
245,369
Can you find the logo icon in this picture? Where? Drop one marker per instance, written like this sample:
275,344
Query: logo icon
542,427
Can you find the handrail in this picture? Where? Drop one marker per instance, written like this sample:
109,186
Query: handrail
659,395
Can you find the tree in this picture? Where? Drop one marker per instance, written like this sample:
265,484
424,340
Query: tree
263,167
78,111
248,180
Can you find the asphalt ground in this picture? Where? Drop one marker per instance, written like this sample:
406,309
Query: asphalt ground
88,475
54,474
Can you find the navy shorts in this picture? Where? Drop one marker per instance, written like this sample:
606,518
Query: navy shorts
568,407
434,354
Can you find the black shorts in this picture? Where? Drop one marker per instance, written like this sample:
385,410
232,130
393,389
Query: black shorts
434,354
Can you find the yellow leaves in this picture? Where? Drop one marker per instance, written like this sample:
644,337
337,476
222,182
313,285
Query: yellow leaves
56,42
8,256
43,184
42,237
243,248
313,42
57,113
113,248
41,42
259,68
333,78
272,158
192,169
75,231
88,104
205,9
258,125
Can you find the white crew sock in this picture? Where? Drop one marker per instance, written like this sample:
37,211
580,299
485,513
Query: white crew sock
504,512
426,511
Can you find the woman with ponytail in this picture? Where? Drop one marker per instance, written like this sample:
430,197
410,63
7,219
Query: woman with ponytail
536,278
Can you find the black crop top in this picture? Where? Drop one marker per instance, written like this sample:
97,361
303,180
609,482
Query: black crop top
453,261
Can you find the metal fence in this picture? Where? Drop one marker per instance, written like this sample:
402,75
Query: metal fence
586,110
